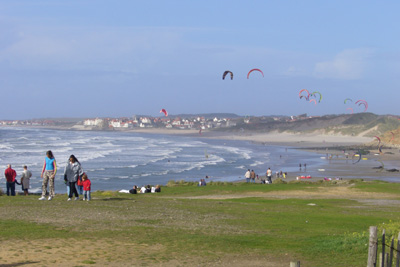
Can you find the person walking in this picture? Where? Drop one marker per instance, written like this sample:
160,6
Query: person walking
25,178
49,171
253,176
72,172
269,176
10,175
247,176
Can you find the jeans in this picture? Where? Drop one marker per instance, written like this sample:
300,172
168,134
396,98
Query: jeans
253,180
72,189
247,180
10,187
80,189
86,195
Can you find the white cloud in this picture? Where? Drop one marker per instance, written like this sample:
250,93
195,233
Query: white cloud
349,64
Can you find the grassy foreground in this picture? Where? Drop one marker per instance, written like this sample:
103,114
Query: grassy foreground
217,225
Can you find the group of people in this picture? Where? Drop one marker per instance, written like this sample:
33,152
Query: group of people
74,177
11,180
251,176
145,189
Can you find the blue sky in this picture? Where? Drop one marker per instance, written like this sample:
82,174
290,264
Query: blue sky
92,58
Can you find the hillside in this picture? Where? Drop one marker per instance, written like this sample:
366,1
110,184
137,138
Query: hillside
360,124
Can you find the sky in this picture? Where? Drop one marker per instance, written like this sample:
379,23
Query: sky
97,58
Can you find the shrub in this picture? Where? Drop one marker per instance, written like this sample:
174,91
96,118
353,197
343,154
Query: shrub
279,181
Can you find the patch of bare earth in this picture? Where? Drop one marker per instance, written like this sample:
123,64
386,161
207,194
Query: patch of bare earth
109,252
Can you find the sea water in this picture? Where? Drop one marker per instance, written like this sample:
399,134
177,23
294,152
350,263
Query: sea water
118,160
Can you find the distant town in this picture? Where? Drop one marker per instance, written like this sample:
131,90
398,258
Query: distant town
172,122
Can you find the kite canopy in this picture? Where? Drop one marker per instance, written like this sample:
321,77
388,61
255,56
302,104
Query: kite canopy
248,74
306,96
350,110
313,100
348,99
164,111
362,102
226,73
314,95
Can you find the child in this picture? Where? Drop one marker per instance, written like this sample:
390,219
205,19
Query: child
86,187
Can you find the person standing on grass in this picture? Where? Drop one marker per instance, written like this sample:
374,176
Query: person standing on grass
49,171
269,176
72,172
10,175
25,178
247,176
253,176
86,187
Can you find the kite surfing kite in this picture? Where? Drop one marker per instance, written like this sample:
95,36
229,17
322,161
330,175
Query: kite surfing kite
248,74
313,100
350,110
359,158
301,96
314,95
226,73
362,102
377,137
347,99
164,111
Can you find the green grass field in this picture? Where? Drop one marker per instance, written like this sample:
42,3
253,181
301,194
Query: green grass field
222,222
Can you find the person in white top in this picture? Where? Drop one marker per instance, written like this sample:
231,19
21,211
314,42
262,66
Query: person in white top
247,176
269,176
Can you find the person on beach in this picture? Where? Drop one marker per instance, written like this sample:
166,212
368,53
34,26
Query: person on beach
10,175
49,171
133,190
253,176
25,178
247,176
72,171
86,187
269,176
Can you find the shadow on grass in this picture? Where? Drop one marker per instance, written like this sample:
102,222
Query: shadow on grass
18,263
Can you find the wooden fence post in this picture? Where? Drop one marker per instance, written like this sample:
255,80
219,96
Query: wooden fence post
383,248
391,253
398,251
372,250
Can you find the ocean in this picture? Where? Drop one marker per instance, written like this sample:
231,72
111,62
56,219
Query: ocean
119,160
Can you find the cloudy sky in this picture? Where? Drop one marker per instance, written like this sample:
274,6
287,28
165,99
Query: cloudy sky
94,58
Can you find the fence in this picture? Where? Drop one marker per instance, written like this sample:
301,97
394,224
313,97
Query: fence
385,258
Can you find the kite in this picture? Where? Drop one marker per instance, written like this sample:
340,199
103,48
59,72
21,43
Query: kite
315,102
226,73
350,110
248,74
164,111
362,102
347,99
320,96
377,137
359,153
304,90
